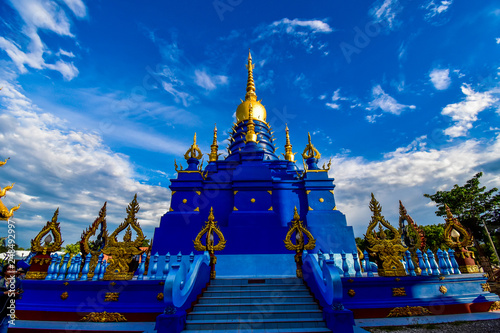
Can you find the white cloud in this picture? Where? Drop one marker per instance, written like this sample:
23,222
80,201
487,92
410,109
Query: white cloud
465,112
385,11
77,7
436,7
334,106
497,40
406,174
209,82
290,26
56,166
65,53
44,15
440,78
385,102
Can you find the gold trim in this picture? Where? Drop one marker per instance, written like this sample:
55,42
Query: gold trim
170,210
36,275
184,201
111,297
252,200
409,311
398,292
66,283
64,295
234,193
104,317
310,208
159,297
486,286
173,192
321,200
198,192
308,191
319,170
351,292
334,208
331,191
234,208
271,208
270,192
443,289
494,306
197,209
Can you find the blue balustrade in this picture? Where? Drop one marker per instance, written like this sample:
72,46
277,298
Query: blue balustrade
427,263
454,263
102,269
433,263
421,263
442,263
368,266
50,271
166,267
345,267
357,267
142,267
410,264
86,267
63,268
320,258
97,268
447,261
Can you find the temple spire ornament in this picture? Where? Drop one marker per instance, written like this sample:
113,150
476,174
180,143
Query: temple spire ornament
243,110
288,155
214,153
310,151
193,151
300,245
250,135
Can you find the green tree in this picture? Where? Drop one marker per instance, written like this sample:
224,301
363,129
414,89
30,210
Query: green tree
434,237
72,248
362,243
472,204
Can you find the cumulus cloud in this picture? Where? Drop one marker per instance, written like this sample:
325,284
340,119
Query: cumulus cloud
42,15
207,81
385,102
54,165
464,113
440,78
406,174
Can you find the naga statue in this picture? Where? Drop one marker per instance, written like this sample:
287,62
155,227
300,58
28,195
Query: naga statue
95,247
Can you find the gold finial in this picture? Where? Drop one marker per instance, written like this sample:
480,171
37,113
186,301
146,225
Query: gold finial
250,136
193,151
250,95
310,150
288,155
54,217
214,155
243,110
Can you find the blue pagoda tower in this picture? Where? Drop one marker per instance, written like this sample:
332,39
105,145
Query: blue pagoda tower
253,194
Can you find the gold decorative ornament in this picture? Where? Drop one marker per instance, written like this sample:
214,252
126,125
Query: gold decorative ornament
52,242
327,167
409,311
209,229
6,213
214,148
104,317
243,110
441,278
121,253
397,279
66,283
184,201
288,155
111,297
197,192
486,286
398,291
469,268
389,251
443,289
321,200
8,158
250,135
193,151
252,200
112,284
495,306
32,275
350,280
159,297
64,295
351,293
270,208
95,248
310,151
197,209
299,229
270,192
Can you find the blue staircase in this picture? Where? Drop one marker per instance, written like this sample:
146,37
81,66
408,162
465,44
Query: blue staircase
256,305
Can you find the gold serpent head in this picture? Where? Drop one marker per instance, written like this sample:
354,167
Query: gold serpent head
193,151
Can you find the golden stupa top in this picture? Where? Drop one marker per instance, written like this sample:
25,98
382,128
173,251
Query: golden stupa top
242,112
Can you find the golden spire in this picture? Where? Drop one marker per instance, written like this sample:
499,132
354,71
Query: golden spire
310,150
242,112
193,151
288,155
214,156
250,136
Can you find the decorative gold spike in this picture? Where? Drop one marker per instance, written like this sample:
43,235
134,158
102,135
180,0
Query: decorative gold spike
170,210
310,151
214,154
270,192
234,208
51,245
271,208
250,95
331,191
193,151
250,135
299,245
209,229
288,155
234,193
198,192
197,209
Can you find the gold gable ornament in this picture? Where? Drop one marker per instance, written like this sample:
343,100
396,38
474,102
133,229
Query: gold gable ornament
389,251
413,235
95,248
122,253
299,229
6,213
210,229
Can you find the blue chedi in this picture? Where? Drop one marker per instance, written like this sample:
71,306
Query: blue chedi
253,194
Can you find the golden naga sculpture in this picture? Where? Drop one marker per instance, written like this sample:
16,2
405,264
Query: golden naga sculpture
310,151
51,243
300,244
6,213
414,235
193,151
459,239
389,251
122,253
288,155
95,247
209,229
250,136
5,161
243,110
214,153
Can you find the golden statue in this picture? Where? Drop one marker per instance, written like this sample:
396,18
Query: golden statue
122,253
389,251
209,229
299,245
193,151
288,155
6,213
5,161
243,110
310,151
50,244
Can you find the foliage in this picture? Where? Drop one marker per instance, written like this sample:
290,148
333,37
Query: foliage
145,242
72,248
362,244
471,204
434,237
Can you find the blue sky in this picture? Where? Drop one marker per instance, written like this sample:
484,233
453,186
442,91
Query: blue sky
100,97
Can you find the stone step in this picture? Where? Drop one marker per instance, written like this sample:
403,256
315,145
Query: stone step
255,300
254,324
256,293
232,316
258,307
